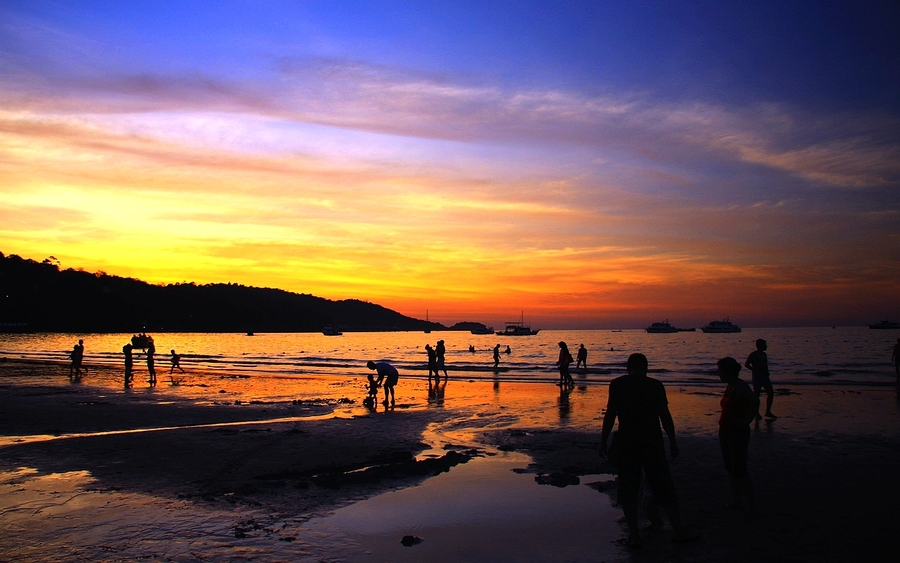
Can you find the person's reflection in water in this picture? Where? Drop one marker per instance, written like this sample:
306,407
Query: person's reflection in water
565,408
436,391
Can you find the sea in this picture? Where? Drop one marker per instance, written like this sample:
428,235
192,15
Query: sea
797,356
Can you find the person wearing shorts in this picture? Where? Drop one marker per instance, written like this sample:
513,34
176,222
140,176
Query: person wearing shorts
758,363
740,406
389,375
640,405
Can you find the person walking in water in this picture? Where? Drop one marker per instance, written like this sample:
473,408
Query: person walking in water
640,404
582,357
176,363
496,355
432,361
565,358
440,351
740,406
895,357
388,374
129,364
77,357
151,363
758,363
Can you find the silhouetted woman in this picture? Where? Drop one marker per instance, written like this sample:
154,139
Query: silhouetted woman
565,358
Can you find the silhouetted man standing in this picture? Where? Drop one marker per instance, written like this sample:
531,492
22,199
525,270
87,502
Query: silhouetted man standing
640,404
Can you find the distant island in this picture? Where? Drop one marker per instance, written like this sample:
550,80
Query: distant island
40,297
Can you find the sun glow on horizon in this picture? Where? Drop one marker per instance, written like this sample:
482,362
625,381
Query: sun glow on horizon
429,181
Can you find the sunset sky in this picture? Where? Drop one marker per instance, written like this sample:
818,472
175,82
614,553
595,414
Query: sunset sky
591,164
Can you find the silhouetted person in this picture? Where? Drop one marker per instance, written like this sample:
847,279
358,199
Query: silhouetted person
582,357
740,407
758,363
508,350
388,374
176,362
372,391
432,361
151,363
440,351
565,358
77,357
640,404
895,357
129,364
496,355
471,348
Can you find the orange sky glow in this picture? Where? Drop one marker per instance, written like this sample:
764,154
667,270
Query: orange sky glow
456,194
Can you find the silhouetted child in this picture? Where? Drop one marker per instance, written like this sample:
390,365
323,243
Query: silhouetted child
176,362
388,374
496,355
372,391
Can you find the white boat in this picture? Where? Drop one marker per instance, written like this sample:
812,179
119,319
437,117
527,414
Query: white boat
331,330
483,330
517,328
661,328
718,327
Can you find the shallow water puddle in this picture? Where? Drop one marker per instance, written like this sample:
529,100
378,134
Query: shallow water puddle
480,511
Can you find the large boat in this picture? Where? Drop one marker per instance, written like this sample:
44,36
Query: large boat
718,327
517,328
661,328
885,324
331,330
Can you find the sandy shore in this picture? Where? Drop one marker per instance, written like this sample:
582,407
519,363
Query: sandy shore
826,480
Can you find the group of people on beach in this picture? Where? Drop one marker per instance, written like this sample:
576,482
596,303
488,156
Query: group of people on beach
640,405
565,358
140,341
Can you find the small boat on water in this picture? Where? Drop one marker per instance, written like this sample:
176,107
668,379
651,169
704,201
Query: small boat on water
517,328
483,330
141,341
661,328
719,327
886,325
331,330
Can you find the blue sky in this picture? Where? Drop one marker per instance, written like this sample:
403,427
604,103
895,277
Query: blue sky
741,157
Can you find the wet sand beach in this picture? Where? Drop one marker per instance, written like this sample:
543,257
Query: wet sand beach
90,472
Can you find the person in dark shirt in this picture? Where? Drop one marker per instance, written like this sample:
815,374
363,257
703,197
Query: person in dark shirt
758,363
432,361
389,375
640,405
739,408
582,358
